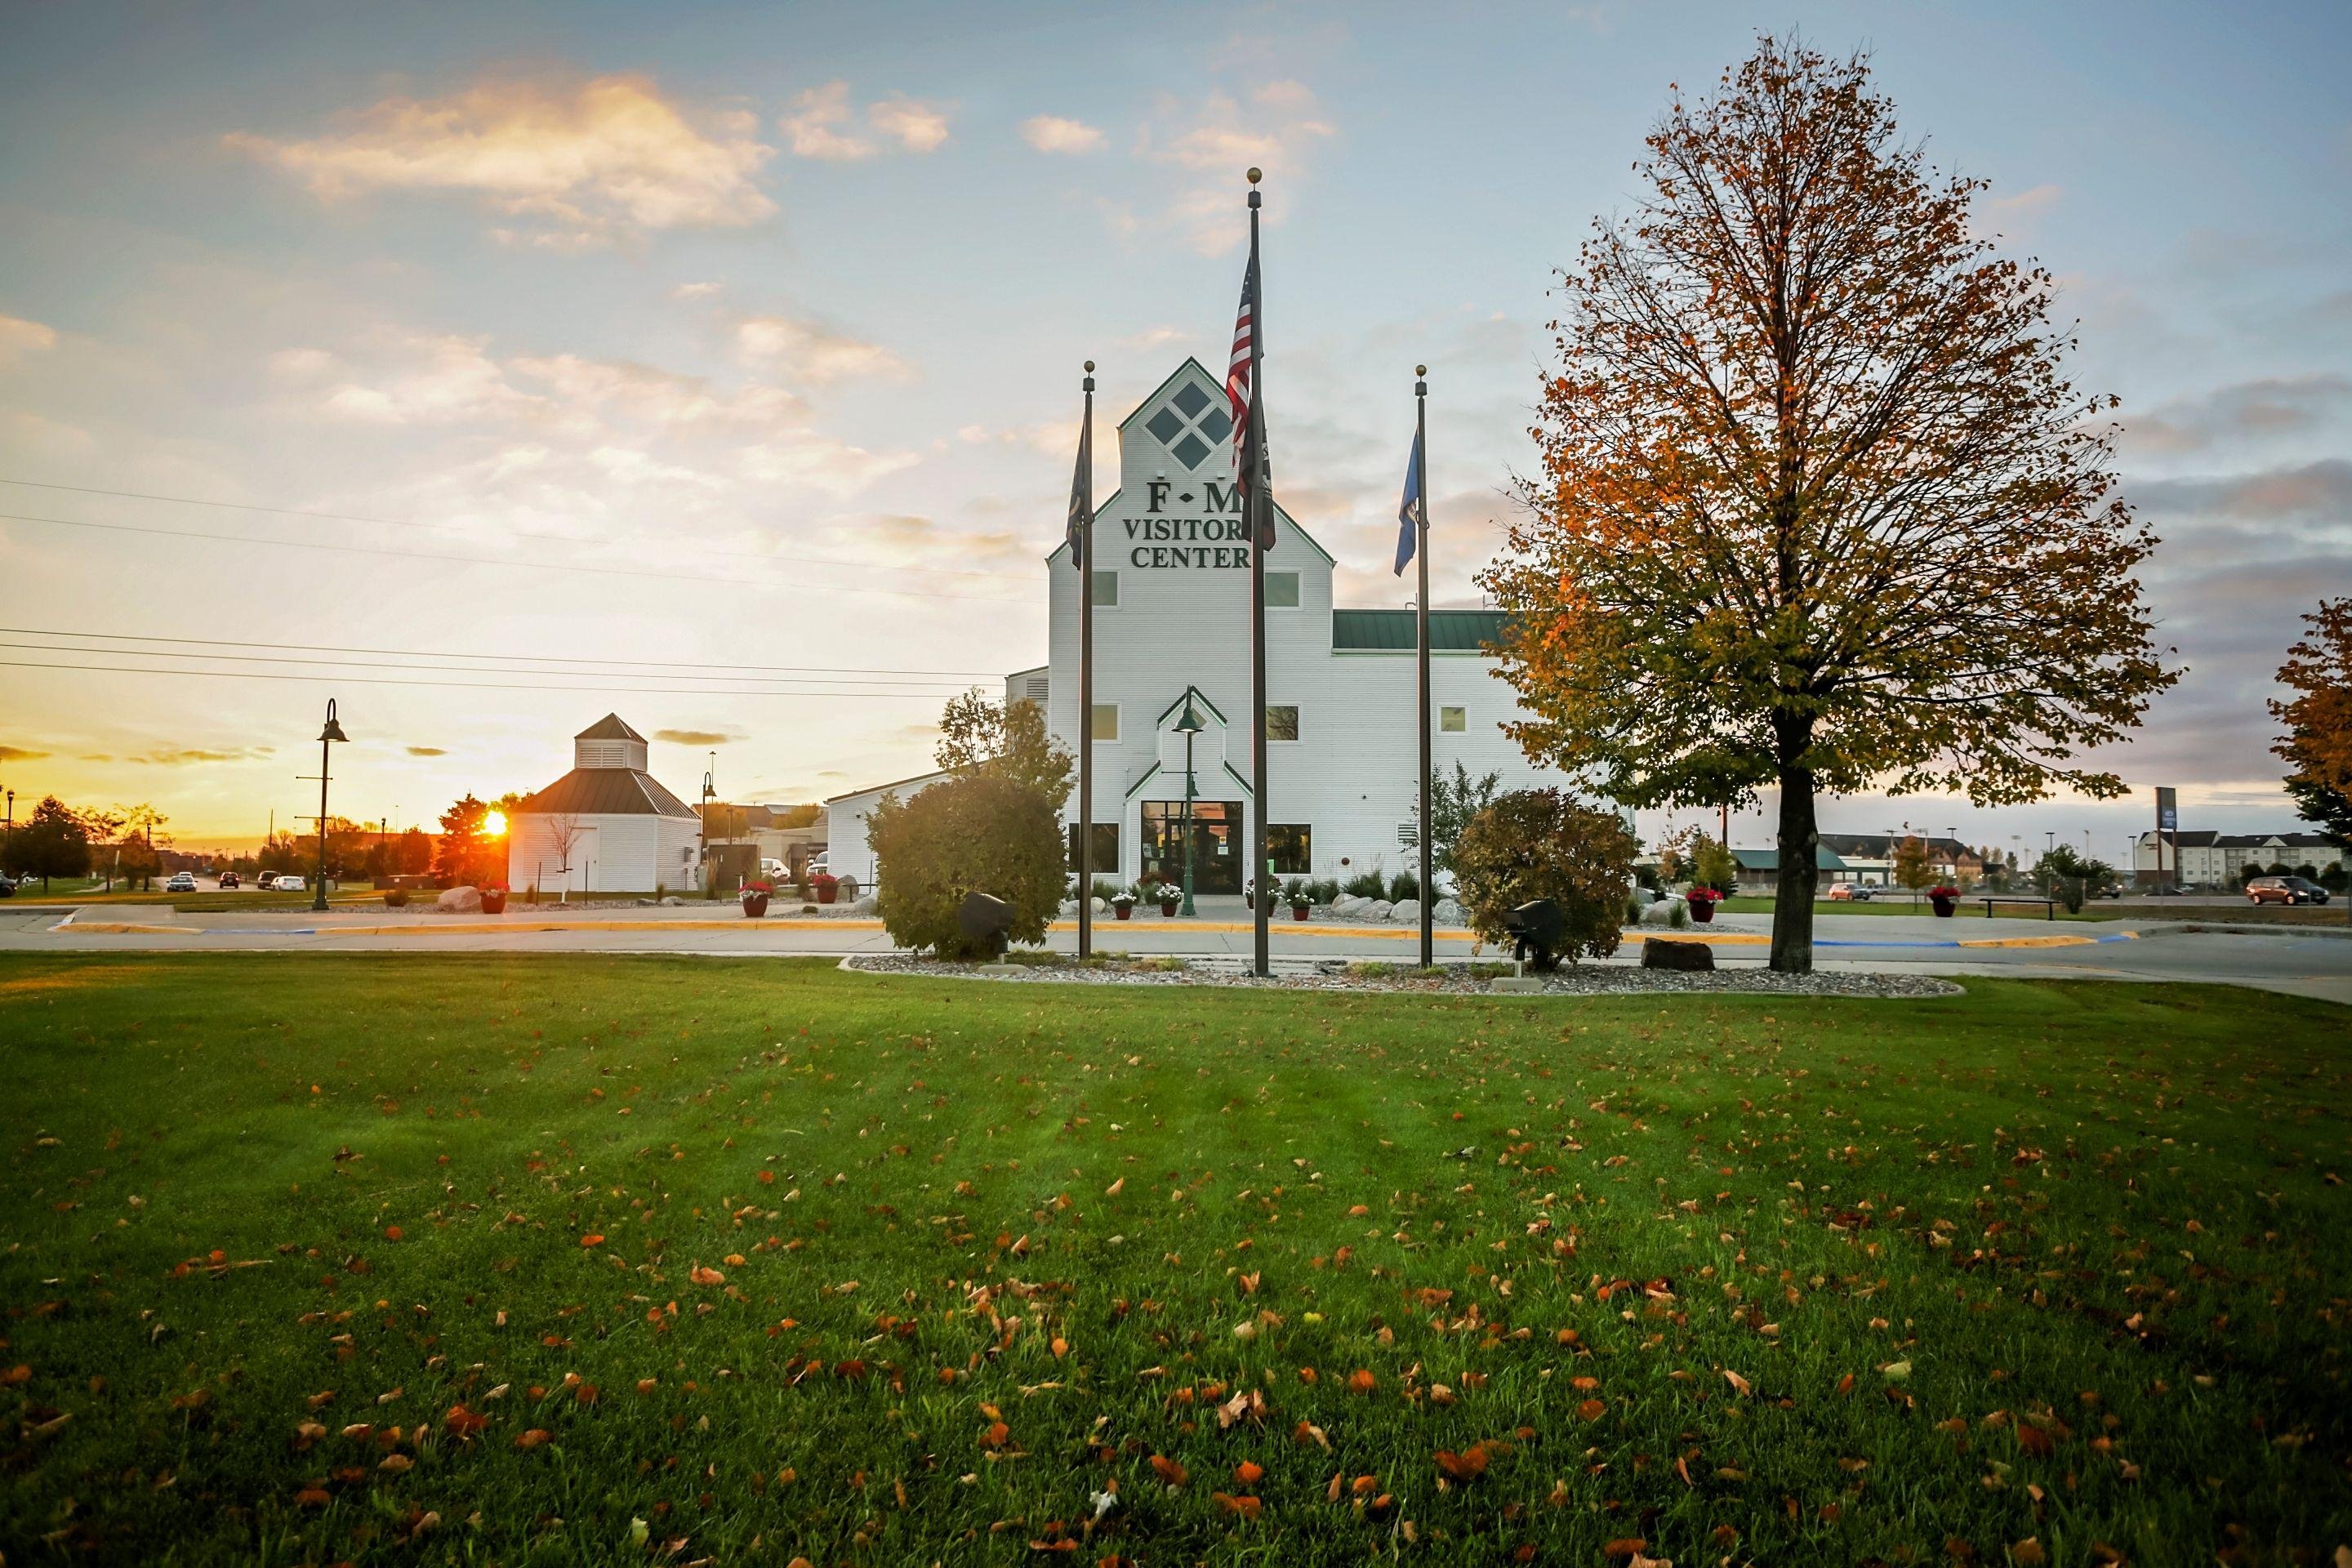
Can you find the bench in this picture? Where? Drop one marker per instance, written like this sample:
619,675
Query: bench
2049,905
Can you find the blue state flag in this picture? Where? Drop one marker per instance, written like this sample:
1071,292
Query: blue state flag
1409,508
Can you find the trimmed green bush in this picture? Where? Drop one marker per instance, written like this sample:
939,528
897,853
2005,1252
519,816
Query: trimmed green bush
1403,886
980,833
1366,885
1547,844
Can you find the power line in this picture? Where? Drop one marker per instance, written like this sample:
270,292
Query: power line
517,658
458,685
491,560
508,532
842,678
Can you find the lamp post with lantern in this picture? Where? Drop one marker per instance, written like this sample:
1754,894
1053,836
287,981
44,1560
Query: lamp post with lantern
327,738
1188,725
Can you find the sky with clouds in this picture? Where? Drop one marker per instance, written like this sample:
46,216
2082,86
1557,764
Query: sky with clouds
720,364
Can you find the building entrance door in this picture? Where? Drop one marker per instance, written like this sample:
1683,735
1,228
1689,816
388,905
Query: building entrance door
1217,857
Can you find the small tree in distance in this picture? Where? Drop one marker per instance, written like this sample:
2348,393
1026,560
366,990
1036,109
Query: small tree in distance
1911,868
981,832
2318,742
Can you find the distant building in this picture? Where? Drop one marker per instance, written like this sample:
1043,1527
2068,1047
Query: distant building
1759,869
2210,859
1870,857
763,828
606,826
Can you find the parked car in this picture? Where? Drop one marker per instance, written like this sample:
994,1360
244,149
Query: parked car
229,880
181,882
2284,890
2108,891
289,882
8,886
1848,893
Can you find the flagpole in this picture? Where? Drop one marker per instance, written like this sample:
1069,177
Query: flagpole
1262,522
1421,626
1087,684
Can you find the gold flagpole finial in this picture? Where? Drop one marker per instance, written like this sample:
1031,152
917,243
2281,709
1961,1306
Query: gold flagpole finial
1255,175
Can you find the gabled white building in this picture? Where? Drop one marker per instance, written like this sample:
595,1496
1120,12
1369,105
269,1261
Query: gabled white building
1172,590
606,826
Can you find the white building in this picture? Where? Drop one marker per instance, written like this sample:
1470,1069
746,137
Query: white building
606,826
2208,859
1171,619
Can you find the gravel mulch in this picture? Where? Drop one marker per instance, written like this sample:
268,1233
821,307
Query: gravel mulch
1331,975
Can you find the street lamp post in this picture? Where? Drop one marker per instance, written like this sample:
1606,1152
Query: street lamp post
1188,726
327,737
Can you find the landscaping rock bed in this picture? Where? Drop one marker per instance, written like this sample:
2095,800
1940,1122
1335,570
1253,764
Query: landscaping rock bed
1465,979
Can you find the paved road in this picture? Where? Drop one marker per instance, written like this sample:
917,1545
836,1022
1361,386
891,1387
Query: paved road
2302,963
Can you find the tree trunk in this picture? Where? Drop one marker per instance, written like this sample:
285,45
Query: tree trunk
1793,902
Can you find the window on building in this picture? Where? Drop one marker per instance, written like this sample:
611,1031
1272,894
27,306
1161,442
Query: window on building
1289,847
1453,720
1106,855
1106,725
1106,590
1282,722
1282,590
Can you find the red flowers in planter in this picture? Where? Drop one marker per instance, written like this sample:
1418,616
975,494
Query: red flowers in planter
825,885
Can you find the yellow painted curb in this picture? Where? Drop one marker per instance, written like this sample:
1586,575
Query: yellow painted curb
123,928
2033,941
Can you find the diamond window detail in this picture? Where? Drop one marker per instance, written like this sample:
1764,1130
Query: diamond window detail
1191,451
1192,424
1191,401
1216,426
1165,426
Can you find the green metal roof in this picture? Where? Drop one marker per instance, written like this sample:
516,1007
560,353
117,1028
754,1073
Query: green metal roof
1770,859
1392,631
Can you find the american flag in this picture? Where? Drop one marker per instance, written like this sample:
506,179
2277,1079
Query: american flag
1251,470
1239,391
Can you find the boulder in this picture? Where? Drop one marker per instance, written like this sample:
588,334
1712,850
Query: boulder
1349,904
868,905
1099,907
1450,913
1660,912
1406,912
459,901
1683,955
1376,908
674,901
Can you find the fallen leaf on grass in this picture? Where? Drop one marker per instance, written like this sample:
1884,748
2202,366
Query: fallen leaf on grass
534,1437
1465,1466
1169,1470
1740,1385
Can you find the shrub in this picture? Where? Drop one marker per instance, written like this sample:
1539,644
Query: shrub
397,899
1547,844
981,832
1366,885
2333,878
1326,891
1636,905
1403,886
1105,888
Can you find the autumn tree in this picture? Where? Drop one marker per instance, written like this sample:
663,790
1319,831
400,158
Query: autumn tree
1910,865
2318,742
1818,509
1452,802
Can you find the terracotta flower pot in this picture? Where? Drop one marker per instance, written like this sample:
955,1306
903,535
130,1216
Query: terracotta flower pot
1167,908
1298,911
1703,911
1123,911
1944,907
826,895
493,901
754,905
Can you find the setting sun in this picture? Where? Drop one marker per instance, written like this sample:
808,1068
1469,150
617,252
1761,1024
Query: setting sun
495,825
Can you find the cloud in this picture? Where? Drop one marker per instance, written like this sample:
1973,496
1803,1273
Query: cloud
2025,204
184,756
805,458
814,126
2263,409
18,754
2316,492
1213,139
810,351
695,290
608,157
427,752
821,125
442,379
696,737
917,127
1052,134
20,337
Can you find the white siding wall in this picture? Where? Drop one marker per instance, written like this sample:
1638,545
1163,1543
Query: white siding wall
614,853
1350,776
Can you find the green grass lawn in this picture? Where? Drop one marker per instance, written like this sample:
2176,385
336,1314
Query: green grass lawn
476,1258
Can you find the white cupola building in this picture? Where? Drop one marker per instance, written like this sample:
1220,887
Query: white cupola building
606,826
